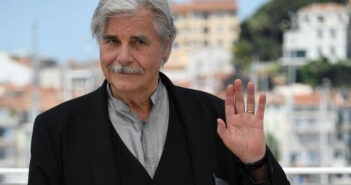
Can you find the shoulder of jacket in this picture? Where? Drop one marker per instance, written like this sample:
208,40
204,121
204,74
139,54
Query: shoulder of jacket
197,95
73,105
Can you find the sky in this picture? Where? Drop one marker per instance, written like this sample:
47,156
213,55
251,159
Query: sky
62,27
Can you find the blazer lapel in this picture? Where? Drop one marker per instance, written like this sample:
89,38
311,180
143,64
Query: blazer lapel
104,165
195,134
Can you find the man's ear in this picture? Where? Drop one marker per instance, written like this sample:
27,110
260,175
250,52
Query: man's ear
166,46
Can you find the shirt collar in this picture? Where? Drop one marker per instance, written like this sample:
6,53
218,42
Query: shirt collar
118,104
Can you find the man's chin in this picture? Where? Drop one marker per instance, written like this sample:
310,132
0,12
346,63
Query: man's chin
124,86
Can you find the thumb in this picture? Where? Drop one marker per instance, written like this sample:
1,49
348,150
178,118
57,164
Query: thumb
221,128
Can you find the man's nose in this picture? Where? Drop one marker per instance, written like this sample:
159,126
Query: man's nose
124,55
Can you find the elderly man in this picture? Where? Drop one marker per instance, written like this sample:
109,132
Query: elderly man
140,129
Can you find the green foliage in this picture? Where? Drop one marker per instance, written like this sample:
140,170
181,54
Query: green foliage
273,145
314,72
243,50
262,34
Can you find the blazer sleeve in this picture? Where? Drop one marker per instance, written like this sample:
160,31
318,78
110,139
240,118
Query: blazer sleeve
276,175
44,167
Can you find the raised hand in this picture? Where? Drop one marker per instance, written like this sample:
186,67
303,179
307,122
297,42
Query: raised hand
243,131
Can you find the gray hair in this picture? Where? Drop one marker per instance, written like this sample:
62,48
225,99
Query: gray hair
160,9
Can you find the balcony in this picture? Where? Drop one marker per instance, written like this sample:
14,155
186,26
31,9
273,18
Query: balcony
296,176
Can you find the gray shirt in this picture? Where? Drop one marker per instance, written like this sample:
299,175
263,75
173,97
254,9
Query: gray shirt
144,140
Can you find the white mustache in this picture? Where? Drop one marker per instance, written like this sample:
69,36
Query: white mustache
125,69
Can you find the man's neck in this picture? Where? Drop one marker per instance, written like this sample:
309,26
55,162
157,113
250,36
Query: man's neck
138,102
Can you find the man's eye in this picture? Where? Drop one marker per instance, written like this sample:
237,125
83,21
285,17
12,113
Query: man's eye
111,41
141,42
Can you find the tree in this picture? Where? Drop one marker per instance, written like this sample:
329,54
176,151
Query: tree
314,72
273,145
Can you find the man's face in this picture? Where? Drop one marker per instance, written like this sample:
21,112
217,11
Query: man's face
131,53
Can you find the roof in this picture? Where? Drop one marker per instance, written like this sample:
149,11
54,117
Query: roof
20,99
206,6
307,99
323,7
311,99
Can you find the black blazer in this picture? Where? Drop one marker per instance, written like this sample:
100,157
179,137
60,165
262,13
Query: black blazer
71,143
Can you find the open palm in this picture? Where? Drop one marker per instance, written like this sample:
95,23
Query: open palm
243,131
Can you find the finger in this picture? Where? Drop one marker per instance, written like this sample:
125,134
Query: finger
229,101
239,98
261,107
250,108
221,128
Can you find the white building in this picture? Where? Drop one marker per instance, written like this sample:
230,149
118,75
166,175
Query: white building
73,81
318,30
77,82
311,127
14,73
205,70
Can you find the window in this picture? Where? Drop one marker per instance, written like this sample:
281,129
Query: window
320,19
332,50
341,18
339,136
319,51
205,15
232,13
2,153
298,54
312,121
338,154
320,34
332,33
340,118
220,43
195,43
294,156
176,45
314,156
347,115
301,54
312,138
176,17
307,19
206,30
219,28
220,14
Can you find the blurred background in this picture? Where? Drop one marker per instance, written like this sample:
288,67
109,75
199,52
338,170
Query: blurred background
296,51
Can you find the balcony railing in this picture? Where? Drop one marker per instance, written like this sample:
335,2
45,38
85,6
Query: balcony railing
319,175
13,176
296,176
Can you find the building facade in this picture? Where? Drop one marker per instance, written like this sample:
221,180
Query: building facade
311,128
209,28
55,85
318,30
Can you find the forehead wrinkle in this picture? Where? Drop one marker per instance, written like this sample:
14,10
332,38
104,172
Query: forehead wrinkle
141,37
133,25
